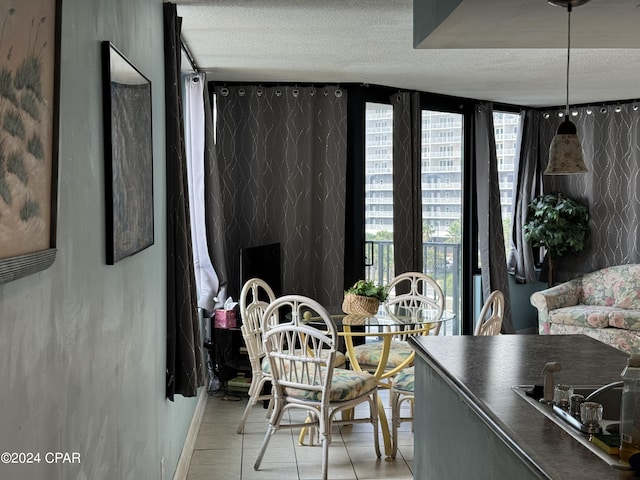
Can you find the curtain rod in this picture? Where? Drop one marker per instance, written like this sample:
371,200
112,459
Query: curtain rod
189,56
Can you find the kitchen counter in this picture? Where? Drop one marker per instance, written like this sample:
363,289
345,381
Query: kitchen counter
469,423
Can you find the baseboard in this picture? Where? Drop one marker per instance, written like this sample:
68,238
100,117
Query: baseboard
190,442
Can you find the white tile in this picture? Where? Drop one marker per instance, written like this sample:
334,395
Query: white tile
222,453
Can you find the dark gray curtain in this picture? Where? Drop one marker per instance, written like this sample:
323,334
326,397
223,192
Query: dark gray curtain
527,185
610,137
184,345
407,188
215,223
282,160
490,235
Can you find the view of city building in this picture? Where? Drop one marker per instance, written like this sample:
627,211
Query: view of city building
442,152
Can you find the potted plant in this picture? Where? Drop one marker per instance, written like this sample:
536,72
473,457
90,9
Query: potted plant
557,223
364,298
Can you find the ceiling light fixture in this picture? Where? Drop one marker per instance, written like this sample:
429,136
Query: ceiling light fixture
565,152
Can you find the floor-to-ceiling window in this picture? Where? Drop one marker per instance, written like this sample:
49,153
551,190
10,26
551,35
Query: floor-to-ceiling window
378,192
441,174
441,184
507,127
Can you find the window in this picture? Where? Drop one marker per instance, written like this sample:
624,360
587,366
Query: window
441,174
506,151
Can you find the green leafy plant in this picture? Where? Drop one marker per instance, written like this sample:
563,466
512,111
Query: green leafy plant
367,288
557,223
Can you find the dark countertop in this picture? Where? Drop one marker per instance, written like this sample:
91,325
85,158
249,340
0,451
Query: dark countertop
482,371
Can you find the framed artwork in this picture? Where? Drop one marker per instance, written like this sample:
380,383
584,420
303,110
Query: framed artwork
29,110
128,156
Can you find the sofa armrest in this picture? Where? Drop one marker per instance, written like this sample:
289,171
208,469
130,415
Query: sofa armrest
562,295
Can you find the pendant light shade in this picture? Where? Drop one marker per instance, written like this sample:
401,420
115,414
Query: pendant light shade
565,153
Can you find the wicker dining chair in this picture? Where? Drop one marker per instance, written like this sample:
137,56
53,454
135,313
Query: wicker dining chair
302,358
490,318
255,297
402,386
411,291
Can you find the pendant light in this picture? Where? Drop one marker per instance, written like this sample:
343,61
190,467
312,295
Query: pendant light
565,153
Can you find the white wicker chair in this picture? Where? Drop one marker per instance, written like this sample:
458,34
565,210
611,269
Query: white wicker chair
491,324
307,378
401,391
402,387
408,292
259,295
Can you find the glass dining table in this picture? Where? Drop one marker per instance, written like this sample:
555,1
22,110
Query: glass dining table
387,326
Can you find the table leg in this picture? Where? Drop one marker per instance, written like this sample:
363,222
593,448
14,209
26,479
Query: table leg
303,433
380,370
386,434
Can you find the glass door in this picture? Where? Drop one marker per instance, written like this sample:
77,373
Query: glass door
442,164
441,180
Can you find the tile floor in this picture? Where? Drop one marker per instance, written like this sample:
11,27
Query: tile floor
222,454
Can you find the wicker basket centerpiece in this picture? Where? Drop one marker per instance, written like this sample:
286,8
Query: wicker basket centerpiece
363,298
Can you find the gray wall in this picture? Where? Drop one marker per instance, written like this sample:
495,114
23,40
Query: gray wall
82,344
524,315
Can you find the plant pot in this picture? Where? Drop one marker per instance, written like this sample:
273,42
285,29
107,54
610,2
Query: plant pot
359,305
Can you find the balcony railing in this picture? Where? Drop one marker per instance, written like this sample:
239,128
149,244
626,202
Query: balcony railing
440,260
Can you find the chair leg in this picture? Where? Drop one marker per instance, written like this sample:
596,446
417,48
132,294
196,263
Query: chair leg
396,419
325,457
245,414
324,428
263,448
270,407
274,424
254,393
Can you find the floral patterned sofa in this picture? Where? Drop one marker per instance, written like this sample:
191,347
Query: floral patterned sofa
604,304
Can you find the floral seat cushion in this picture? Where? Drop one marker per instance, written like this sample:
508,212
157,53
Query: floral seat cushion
368,354
404,380
345,385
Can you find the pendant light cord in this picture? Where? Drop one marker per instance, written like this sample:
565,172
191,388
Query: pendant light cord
568,54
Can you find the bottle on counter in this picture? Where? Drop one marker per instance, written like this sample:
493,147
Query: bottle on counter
630,411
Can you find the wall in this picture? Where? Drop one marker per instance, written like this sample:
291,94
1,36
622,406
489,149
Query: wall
524,316
82,344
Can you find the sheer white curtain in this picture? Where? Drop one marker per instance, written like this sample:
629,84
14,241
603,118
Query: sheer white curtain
194,131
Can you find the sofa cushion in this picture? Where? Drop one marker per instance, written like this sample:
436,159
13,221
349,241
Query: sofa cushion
626,319
595,316
617,286
626,340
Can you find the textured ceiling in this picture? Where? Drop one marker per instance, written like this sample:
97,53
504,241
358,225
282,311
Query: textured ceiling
509,51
